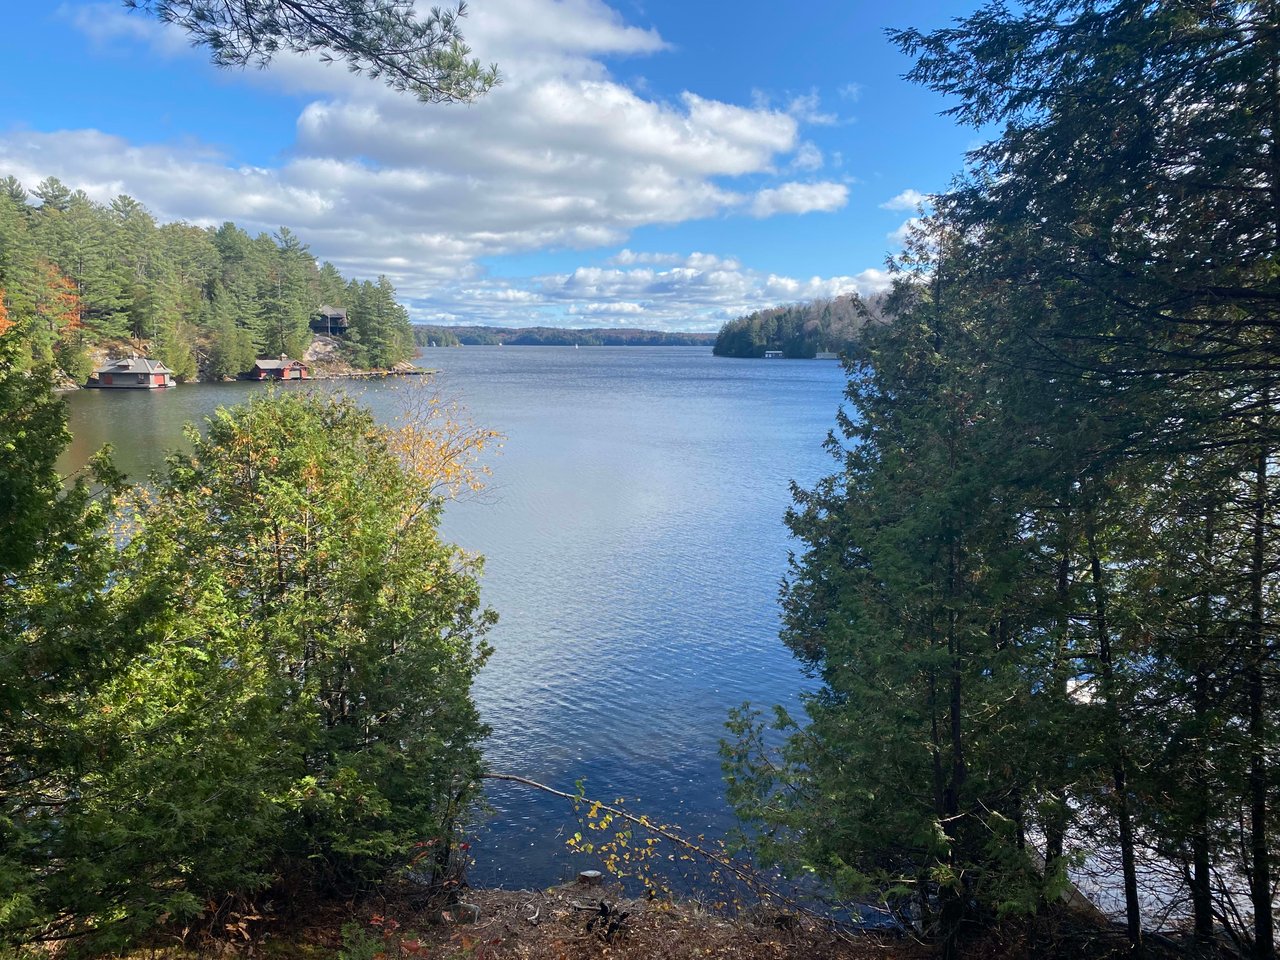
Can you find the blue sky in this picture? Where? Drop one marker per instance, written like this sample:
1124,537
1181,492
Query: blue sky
646,163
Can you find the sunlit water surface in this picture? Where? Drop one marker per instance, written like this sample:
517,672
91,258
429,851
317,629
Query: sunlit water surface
634,544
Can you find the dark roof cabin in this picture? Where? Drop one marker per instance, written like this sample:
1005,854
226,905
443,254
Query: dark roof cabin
132,373
282,369
330,320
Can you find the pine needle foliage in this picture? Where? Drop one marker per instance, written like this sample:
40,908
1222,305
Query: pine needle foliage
384,39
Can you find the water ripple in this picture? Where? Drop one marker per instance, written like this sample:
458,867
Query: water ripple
634,544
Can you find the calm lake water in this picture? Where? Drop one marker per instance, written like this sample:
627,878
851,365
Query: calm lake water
634,543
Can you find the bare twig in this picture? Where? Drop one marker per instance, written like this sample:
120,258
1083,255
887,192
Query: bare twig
747,876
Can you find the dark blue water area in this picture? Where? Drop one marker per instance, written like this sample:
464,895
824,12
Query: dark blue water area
634,543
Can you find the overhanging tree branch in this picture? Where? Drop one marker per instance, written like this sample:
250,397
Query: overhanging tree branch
386,39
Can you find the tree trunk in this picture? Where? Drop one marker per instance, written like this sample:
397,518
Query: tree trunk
1055,828
1201,878
1260,874
1115,741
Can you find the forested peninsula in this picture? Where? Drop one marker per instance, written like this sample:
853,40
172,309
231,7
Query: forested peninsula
799,331
473,336
86,279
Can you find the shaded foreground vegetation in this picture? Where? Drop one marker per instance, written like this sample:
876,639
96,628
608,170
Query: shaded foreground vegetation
565,923
1039,590
245,684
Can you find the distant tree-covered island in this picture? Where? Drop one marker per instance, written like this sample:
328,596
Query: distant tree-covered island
799,331
84,279
474,336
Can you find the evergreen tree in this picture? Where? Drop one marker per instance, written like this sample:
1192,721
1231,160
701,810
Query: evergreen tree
309,679
1135,182
383,38
55,567
178,288
912,602
287,292
231,348
331,288
53,194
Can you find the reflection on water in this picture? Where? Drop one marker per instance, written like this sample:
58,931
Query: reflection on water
634,541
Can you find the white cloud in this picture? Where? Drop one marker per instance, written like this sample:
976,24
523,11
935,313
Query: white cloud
695,291
851,91
906,200
807,108
807,158
537,28
107,24
560,156
625,258
800,198
614,309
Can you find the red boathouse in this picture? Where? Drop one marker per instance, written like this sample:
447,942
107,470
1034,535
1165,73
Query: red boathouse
282,369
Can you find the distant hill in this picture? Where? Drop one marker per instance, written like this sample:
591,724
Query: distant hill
555,337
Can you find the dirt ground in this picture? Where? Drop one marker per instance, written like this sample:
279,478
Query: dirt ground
593,922
576,922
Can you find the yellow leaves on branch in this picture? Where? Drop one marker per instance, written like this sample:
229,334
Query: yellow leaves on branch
438,442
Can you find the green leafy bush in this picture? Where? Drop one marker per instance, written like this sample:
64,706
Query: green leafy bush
293,719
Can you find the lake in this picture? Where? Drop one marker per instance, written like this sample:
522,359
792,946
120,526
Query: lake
634,544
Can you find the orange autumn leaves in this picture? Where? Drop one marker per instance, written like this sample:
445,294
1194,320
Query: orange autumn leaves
57,302
53,298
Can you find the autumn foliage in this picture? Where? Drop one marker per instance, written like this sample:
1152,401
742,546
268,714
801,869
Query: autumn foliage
57,302
437,441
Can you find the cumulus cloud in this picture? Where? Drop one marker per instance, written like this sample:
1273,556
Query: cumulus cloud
692,292
906,200
561,156
800,198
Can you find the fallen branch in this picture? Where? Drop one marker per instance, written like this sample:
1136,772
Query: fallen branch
748,877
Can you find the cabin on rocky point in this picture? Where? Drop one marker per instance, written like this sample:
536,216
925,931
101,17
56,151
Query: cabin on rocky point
282,369
331,321
132,373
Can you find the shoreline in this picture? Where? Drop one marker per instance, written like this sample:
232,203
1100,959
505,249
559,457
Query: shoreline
65,386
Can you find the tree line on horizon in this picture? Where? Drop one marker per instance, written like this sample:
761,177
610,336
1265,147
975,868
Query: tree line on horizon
455,336
79,275
1039,591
